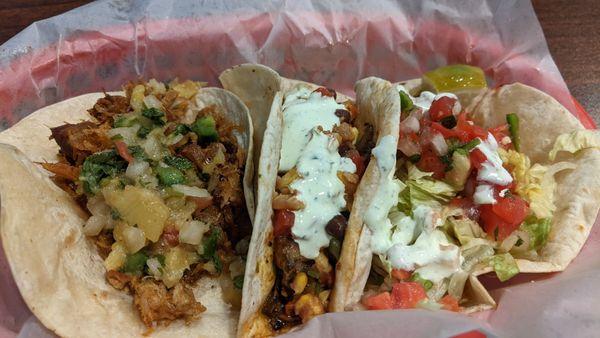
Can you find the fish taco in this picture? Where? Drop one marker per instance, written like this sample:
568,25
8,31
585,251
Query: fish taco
129,213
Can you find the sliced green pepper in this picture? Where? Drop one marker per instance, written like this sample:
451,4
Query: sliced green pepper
169,175
206,128
513,127
427,284
135,263
405,102
124,121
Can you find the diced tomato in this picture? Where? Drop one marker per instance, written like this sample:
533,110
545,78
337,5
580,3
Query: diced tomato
449,303
477,158
500,132
358,161
123,151
470,334
430,162
201,202
447,133
467,130
504,216
511,209
440,108
283,220
401,275
326,92
382,301
406,295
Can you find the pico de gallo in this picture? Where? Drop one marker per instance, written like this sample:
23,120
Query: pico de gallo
160,176
455,199
320,166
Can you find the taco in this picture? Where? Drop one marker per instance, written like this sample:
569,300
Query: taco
500,180
310,164
126,214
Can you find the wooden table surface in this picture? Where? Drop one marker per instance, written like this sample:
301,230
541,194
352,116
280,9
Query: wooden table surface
572,29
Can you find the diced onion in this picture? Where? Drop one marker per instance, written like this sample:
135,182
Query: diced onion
134,239
154,267
136,168
127,133
408,147
191,191
97,206
410,124
192,232
456,108
152,147
439,144
508,243
152,102
157,87
94,225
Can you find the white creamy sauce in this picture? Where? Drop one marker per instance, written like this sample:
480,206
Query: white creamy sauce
432,256
484,194
425,99
320,189
492,170
304,110
385,197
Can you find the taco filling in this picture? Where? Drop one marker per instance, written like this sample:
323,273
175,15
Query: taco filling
319,169
161,177
454,200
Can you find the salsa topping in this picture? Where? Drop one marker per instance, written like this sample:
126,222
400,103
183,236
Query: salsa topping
162,181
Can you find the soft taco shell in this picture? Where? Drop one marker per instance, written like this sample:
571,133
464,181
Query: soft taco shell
542,120
260,275
57,269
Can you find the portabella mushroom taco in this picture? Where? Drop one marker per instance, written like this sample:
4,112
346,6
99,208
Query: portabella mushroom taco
132,219
310,165
501,180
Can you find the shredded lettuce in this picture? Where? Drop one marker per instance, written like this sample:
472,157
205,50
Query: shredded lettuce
505,266
422,189
535,183
538,230
465,230
575,141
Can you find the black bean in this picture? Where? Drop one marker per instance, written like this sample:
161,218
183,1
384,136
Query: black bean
336,227
343,114
448,122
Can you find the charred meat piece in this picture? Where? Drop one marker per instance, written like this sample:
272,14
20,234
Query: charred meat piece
104,242
275,308
62,170
288,258
156,304
78,141
366,139
107,107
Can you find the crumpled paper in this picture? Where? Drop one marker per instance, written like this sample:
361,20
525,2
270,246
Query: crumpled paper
107,43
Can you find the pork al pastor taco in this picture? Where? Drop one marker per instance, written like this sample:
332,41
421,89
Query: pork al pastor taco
499,180
310,164
129,213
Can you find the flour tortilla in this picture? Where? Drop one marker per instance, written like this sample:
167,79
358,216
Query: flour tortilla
260,275
577,197
57,269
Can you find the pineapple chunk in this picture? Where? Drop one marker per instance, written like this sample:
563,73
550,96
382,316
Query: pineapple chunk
137,98
186,89
139,206
116,258
177,260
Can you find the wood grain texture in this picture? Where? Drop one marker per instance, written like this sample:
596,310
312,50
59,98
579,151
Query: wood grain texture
572,29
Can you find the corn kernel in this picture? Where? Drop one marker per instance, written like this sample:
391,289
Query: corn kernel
299,283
